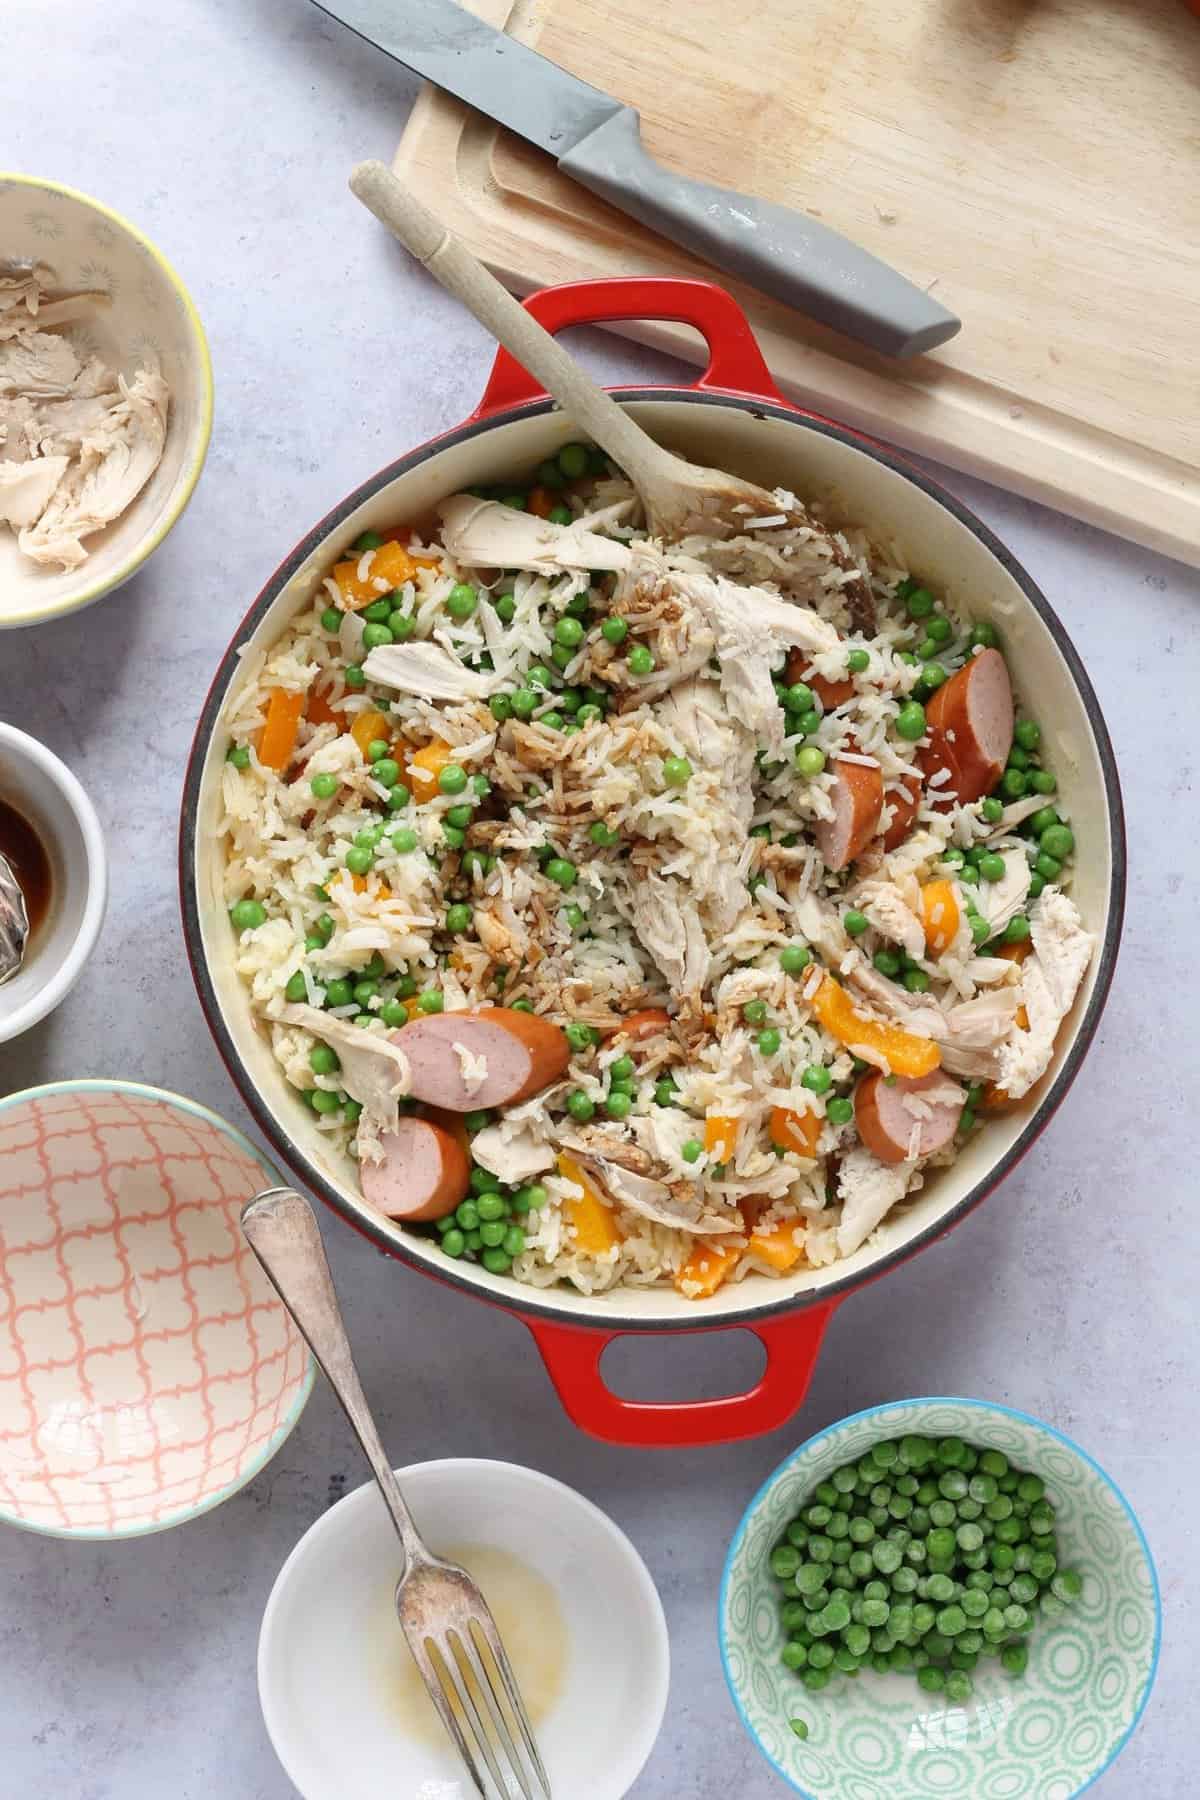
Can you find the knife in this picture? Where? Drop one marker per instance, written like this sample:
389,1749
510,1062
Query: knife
597,141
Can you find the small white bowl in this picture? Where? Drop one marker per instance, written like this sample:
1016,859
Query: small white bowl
331,1654
44,791
90,247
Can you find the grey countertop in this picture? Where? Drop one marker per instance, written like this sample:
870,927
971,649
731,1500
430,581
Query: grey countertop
226,128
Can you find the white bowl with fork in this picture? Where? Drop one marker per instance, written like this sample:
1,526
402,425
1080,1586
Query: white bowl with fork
585,1631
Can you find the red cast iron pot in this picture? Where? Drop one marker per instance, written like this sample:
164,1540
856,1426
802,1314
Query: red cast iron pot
733,418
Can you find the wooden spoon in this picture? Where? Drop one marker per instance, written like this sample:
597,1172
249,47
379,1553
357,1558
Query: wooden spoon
679,497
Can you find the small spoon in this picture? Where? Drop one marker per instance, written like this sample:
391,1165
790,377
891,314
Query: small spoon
679,497
14,923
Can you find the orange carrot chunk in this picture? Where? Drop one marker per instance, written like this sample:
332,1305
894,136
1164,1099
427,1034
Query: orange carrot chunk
791,1130
278,740
720,1136
939,908
904,1052
705,1269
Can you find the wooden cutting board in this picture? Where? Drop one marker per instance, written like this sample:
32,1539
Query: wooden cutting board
1037,160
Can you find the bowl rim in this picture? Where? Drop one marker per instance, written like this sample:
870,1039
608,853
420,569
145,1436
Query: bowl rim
178,1102
534,1303
890,1406
470,1469
55,990
38,615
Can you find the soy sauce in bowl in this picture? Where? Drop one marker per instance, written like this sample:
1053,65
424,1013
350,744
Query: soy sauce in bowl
28,859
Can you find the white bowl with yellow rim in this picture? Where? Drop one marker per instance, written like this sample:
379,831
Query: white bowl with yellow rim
150,314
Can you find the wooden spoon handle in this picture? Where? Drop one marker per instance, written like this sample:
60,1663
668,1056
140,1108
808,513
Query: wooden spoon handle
461,274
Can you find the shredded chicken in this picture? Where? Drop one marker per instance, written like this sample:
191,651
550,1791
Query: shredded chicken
515,1156
867,1189
428,670
374,1071
680,1204
1000,901
1050,980
77,443
489,535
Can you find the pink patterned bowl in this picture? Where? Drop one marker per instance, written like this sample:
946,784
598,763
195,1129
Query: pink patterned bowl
147,1369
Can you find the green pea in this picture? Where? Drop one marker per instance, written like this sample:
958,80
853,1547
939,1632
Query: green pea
1057,841
755,1012
561,871
619,1104
933,675
513,1241
454,1242
431,1001
794,958
910,721
458,816
603,834
858,661
665,1092
992,867
640,660
768,1041
359,859
387,771
331,619
403,840
568,632
529,1198
400,624
552,720
247,915
375,636
1013,784
1018,758
576,917
452,779
939,629
462,600
459,917
354,677
809,760
1042,781
920,603
580,1037
580,1105
1016,931
495,1260
549,475
839,1110
398,798
855,922
614,630
677,771
992,809
238,755
916,981
573,461
984,635
588,715
817,1079
692,1150
1048,868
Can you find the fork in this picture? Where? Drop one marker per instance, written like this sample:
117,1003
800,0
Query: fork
442,1613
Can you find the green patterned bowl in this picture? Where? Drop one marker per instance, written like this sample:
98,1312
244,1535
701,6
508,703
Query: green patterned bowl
1047,1736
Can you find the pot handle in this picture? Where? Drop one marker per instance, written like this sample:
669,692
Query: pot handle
572,1355
735,362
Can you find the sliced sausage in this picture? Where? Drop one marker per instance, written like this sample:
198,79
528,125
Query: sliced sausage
645,1024
886,1124
425,1174
904,802
487,1056
829,693
857,796
970,722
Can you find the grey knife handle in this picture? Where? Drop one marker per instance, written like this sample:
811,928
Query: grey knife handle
782,252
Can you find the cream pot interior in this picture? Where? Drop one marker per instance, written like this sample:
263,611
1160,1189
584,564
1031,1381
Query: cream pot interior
776,447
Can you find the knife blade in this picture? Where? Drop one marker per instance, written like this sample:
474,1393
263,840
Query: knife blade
596,140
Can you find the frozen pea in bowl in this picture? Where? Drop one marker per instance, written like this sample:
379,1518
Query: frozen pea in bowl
1021,1581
